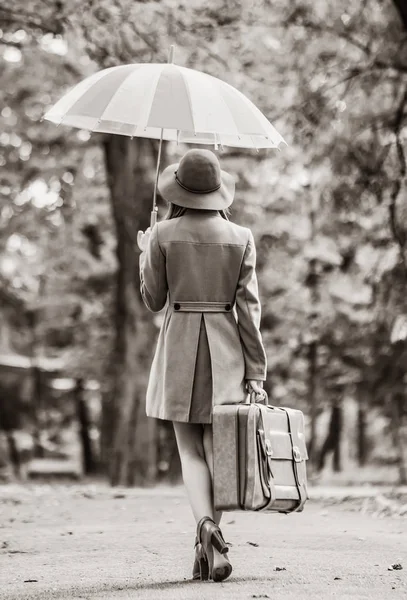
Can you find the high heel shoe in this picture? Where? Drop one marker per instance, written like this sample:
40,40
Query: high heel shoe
200,570
211,538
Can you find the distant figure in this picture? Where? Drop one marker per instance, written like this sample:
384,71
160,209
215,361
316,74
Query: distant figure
204,266
16,446
84,421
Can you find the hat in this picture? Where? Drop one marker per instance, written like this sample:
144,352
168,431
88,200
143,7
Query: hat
197,181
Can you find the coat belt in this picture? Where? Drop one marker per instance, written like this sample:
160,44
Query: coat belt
202,306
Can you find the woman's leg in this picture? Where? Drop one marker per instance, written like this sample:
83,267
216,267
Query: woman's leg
208,449
195,472
198,482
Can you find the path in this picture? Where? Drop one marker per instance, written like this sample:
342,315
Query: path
95,543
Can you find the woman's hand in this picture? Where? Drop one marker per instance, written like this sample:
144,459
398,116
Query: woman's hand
142,239
255,387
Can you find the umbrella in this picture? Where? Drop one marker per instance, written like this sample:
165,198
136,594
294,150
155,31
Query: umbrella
165,102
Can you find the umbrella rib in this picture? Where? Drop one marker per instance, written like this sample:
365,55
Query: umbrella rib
185,80
254,144
246,101
80,100
85,85
259,117
114,95
175,94
218,88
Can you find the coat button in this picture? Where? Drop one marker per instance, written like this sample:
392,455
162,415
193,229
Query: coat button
228,307
177,306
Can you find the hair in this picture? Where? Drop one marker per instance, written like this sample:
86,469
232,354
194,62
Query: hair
174,211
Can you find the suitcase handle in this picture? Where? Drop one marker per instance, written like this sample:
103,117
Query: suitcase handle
257,398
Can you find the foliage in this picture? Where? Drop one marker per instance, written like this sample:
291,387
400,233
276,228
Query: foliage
349,117
54,206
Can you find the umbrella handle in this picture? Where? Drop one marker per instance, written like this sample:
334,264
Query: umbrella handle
153,217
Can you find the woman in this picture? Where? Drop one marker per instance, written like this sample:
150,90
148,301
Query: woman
203,267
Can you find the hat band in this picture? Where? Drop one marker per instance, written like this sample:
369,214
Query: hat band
195,191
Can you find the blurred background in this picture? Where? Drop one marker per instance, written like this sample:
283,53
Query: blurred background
328,214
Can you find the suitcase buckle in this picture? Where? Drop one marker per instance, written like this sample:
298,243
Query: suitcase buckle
297,454
269,450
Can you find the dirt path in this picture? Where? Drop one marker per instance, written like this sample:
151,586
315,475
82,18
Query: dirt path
95,543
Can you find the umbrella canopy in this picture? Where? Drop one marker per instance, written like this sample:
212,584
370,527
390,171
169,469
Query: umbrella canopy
165,101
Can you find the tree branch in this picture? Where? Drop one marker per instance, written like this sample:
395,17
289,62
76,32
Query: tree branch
4,42
322,28
352,74
30,21
202,44
300,21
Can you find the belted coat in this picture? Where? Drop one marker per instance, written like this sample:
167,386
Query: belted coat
203,267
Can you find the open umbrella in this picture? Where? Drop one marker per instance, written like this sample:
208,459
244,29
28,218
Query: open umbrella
165,102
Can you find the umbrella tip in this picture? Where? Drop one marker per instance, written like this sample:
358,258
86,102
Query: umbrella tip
171,54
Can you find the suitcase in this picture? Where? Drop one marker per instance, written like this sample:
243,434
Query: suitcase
259,458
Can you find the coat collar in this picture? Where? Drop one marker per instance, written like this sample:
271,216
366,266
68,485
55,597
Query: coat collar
201,214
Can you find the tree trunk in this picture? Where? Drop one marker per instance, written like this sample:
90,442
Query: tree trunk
401,7
397,418
13,453
361,433
337,431
332,441
130,436
312,399
313,345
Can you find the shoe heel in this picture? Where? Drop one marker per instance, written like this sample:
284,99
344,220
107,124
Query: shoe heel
220,568
219,543
204,569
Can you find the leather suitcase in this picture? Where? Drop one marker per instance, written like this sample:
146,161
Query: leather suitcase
259,458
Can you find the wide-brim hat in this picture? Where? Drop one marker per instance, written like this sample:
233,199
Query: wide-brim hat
197,181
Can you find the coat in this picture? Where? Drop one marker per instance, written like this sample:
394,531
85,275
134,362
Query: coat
203,267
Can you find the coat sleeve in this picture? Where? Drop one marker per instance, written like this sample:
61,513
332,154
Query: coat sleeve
248,315
153,279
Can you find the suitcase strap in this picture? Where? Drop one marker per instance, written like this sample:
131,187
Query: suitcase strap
297,459
269,479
